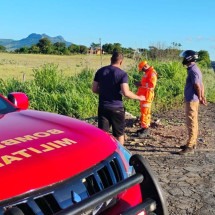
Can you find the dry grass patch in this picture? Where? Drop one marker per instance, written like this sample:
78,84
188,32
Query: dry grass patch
18,66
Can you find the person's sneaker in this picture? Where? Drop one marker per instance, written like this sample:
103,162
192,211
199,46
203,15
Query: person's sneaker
143,132
183,147
186,151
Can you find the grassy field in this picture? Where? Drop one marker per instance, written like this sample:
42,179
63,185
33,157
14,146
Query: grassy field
62,84
20,66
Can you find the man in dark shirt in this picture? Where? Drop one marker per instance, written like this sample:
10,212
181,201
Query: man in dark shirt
111,82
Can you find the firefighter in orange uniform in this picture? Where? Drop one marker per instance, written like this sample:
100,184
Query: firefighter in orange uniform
146,88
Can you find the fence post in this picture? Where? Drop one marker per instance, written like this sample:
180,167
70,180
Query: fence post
23,77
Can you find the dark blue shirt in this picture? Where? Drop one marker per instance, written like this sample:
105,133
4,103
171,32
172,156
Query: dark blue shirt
194,76
109,79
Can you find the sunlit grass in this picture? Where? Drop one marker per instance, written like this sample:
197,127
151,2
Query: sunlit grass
20,66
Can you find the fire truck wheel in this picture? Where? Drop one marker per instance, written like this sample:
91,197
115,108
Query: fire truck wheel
150,187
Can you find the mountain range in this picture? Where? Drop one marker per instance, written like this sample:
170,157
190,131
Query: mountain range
32,39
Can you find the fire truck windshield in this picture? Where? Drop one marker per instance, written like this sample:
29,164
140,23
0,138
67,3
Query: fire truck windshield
6,107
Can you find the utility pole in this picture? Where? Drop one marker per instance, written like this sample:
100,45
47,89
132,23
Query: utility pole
100,41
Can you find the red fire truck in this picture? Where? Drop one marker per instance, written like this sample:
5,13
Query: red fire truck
54,164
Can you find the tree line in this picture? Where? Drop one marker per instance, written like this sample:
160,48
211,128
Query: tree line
156,52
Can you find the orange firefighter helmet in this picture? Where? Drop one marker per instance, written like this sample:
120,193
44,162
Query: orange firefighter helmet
141,65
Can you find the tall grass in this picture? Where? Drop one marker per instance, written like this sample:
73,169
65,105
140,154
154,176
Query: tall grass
51,90
169,88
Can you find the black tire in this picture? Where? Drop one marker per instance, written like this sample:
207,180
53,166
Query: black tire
150,187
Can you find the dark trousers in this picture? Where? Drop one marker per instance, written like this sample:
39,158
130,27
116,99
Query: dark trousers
112,117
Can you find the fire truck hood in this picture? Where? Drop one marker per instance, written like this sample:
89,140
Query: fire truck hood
39,149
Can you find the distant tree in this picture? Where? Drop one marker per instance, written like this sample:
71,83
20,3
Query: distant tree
74,49
171,54
153,52
108,48
24,50
144,52
45,46
34,49
117,47
83,49
176,45
204,58
59,48
94,45
161,52
127,50
2,48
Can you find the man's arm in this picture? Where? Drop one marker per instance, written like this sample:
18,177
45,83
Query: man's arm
95,87
200,93
203,90
204,101
127,93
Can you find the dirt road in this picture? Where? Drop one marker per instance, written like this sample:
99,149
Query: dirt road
188,181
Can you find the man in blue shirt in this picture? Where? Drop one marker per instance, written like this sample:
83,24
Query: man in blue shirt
193,95
111,83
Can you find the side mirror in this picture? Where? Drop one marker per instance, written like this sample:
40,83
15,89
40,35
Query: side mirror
20,100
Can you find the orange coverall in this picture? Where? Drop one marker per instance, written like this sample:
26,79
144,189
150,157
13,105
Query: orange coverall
148,83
